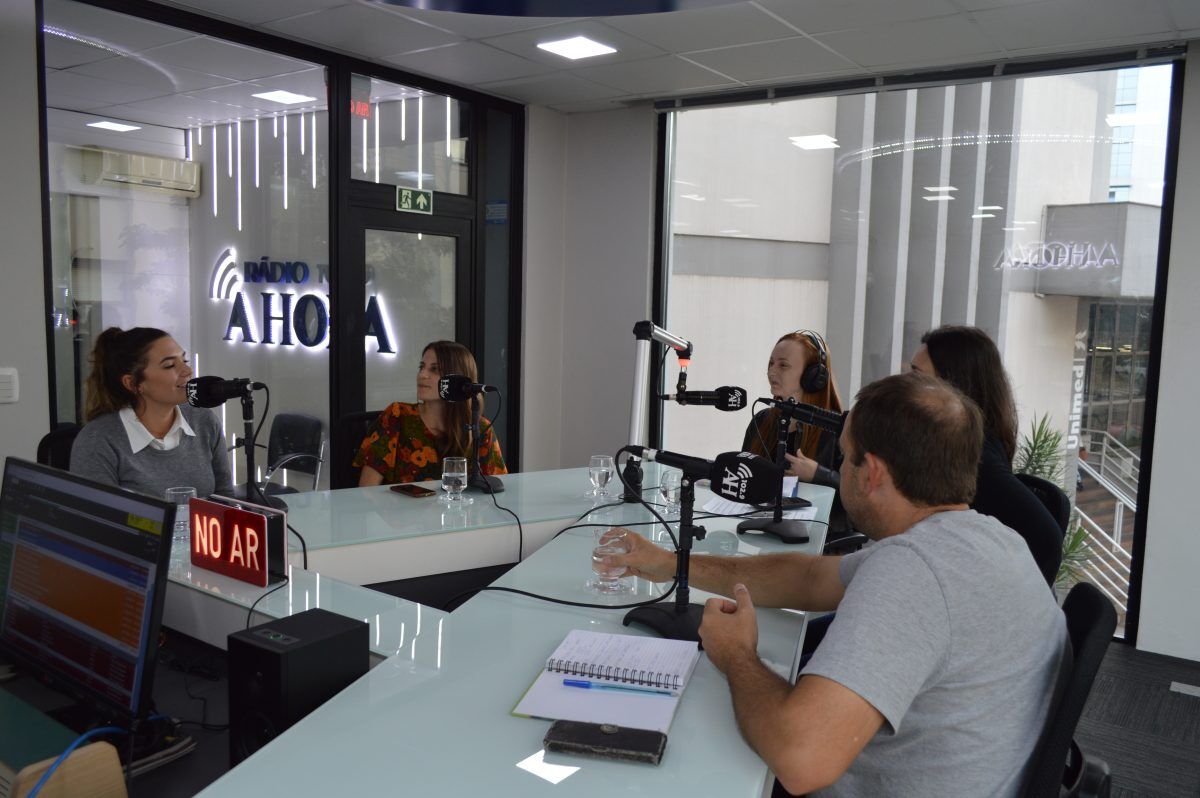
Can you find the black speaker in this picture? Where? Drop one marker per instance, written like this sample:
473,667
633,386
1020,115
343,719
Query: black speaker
281,670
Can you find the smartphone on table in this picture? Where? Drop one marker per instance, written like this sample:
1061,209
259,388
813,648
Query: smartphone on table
409,489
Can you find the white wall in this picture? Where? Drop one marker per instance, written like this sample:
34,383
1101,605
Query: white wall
542,290
23,320
590,195
1170,594
731,348
1038,353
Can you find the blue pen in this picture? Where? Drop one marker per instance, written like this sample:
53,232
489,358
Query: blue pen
586,685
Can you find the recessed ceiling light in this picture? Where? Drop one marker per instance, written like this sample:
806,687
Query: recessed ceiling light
991,207
820,141
285,97
983,216
938,197
940,188
116,126
576,47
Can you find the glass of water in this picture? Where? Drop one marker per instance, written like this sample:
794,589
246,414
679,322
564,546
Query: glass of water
181,497
454,481
600,472
669,489
607,580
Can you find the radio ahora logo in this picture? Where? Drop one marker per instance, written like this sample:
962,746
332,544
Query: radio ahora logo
225,277
302,318
734,482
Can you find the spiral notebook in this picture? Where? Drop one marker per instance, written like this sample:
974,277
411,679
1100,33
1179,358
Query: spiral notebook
636,681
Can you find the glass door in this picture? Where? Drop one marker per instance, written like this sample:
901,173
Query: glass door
414,292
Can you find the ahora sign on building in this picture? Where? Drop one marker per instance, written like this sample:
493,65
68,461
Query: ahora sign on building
290,314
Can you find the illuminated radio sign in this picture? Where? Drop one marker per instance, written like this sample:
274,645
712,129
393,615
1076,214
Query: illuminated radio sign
237,539
285,317
1041,255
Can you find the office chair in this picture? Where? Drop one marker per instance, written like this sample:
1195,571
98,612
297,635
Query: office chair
54,449
1051,496
1059,766
296,443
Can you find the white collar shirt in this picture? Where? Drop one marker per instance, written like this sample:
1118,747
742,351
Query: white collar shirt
140,437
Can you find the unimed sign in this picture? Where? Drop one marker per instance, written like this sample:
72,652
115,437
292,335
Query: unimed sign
230,541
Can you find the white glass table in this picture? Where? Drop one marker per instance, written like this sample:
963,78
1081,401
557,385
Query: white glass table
442,725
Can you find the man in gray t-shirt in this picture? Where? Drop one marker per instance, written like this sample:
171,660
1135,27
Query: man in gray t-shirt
936,675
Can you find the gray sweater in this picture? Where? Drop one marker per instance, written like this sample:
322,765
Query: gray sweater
102,452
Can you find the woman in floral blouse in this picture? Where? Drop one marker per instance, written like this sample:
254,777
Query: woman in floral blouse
408,441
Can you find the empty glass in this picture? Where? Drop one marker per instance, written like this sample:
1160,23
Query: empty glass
454,481
181,497
669,488
600,472
607,580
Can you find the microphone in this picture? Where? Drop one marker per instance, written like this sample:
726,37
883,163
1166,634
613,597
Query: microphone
727,397
828,420
457,388
738,476
213,391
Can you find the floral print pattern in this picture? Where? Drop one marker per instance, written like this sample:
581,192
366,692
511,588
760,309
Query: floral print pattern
401,448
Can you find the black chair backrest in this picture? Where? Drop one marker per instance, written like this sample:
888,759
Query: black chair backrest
1091,620
54,449
1051,496
295,433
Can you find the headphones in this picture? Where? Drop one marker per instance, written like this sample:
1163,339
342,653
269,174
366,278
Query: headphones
816,375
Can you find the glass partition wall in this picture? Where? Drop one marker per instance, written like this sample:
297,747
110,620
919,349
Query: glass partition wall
193,180
1028,207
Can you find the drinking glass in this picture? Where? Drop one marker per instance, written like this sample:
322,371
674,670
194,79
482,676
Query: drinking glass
669,488
600,472
181,497
607,581
454,481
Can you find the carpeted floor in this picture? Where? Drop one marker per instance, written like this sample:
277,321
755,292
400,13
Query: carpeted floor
1148,734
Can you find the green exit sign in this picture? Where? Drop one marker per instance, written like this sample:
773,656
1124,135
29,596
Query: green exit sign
414,200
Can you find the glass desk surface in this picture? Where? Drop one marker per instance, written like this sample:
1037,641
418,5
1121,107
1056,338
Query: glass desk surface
335,518
435,719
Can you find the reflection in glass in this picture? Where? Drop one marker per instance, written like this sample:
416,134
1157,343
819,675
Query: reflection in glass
404,136
412,279
1020,228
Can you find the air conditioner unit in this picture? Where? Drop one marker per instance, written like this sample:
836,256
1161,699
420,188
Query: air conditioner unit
148,172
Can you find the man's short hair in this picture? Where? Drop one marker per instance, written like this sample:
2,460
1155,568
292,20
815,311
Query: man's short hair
926,431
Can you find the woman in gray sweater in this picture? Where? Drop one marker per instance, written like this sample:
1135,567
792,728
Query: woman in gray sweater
140,433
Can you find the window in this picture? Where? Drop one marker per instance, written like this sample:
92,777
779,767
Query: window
1028,207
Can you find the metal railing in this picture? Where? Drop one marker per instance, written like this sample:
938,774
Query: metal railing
1113,465
1108,564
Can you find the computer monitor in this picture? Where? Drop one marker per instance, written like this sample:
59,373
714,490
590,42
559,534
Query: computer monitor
83,570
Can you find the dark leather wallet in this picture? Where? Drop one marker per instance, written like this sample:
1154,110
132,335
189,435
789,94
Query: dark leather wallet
605,740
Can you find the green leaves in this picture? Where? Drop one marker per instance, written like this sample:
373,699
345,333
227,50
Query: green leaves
1041,452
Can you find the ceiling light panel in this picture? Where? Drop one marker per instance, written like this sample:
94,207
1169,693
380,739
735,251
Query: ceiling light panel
576,47
116,127
284,97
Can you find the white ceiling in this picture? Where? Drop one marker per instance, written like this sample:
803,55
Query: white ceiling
161,75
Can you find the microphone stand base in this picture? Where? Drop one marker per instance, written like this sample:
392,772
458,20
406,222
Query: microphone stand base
486,483
787,530
667,621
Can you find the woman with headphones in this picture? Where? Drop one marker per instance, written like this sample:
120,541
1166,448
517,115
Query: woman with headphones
799,369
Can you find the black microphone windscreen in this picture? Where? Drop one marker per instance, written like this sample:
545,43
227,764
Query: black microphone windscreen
211,391
744,477
455,388
730,397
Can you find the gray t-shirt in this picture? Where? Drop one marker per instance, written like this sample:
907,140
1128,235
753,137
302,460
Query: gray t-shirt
102,452
949,631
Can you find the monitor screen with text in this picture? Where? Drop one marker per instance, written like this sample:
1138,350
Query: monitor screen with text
82,573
